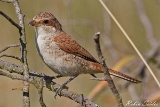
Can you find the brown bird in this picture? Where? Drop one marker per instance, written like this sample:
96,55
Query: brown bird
62,54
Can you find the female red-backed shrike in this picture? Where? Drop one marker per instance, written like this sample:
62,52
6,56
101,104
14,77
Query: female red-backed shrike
62,54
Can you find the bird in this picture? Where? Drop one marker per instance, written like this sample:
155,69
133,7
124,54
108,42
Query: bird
62,54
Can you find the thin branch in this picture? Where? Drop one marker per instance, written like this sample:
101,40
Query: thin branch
11,67
40,92
73,96
11,56
10,20
39,82
9,46
14,77
20,16
106,72
99,79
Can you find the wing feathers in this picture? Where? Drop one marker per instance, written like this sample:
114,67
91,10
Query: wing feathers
69,45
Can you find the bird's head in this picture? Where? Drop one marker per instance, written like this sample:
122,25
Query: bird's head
46,21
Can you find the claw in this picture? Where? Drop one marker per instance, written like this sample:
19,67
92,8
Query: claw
58,91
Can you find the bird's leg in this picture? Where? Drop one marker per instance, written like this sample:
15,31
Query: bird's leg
64,84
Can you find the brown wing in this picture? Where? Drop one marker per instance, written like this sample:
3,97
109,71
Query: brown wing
69,45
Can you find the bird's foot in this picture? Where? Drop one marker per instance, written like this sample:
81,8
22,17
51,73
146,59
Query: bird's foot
58,91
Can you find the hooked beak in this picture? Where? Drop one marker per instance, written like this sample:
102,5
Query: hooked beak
32,23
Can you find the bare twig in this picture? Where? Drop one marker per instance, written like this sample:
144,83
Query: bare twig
26,99
39,82
99,79
106,72
73,96
11,67
14,77
11,56
10,75
10,20
9,46
40,92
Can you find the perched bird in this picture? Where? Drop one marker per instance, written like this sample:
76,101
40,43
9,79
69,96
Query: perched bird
62,54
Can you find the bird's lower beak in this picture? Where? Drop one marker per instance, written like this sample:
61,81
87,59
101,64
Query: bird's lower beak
32,23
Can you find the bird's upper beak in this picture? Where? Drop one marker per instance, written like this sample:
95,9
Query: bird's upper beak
32,23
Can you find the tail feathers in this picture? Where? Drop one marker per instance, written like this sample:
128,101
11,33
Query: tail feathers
97,68
123,76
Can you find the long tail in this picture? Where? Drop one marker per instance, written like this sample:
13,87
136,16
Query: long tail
97,68
123,76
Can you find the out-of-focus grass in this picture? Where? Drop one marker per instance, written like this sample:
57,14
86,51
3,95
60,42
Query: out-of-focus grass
80,19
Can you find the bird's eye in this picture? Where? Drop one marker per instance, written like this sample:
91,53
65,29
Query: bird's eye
46,21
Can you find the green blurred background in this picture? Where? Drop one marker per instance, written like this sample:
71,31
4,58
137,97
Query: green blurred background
81,19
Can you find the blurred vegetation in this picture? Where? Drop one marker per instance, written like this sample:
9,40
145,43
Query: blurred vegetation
81,19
